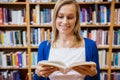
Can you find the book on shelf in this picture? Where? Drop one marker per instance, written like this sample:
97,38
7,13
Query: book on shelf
62,67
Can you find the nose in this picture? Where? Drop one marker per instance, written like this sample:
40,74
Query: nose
65,20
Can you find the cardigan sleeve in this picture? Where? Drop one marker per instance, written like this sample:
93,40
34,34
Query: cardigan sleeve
92,55
41,56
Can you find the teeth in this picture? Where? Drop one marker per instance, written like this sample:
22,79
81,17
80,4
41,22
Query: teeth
64,28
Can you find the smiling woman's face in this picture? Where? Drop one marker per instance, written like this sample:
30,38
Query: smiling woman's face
66,19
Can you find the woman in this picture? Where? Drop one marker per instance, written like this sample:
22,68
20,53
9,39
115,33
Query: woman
68,46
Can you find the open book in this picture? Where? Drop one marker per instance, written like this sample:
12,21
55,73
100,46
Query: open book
62,66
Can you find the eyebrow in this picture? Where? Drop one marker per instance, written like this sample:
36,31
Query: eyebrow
63,13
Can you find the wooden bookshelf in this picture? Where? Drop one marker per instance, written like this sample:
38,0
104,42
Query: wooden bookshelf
28,9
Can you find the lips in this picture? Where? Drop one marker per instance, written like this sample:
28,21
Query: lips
64,28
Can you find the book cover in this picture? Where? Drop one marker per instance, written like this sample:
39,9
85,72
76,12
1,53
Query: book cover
1,16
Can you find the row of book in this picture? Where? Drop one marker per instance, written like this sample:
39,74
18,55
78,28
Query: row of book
117,0
34,56
43,0
38,16
38,35
8,0
19,38
116,59
116,37
15,75
12,75
12,16
100,36
103,58
76,0
117,16
56,0
19,59
13,38
94,0
114,76
104,76
98,14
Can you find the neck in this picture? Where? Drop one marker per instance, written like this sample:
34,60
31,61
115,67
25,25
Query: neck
65,41
65,38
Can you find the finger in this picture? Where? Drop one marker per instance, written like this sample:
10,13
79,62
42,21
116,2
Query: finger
91,71
81,71
48,72
41,69
44,68
37,72
85,67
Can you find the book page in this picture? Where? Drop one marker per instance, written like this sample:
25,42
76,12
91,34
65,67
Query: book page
83,64
62,67
57,64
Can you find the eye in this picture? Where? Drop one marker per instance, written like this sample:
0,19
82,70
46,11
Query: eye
70,17
60,16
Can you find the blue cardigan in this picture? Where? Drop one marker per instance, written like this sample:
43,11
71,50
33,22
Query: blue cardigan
91,52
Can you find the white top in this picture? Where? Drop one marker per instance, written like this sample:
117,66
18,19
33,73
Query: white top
68,56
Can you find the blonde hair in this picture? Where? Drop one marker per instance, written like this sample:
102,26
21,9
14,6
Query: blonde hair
58,5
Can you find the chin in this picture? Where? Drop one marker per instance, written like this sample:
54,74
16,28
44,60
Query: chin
64,32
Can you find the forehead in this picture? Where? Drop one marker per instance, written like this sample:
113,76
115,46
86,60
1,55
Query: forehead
67,8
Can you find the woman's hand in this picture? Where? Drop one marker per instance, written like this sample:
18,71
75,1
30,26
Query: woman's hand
45,71
86,70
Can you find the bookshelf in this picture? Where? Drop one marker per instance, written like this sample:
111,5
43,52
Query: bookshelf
22,19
